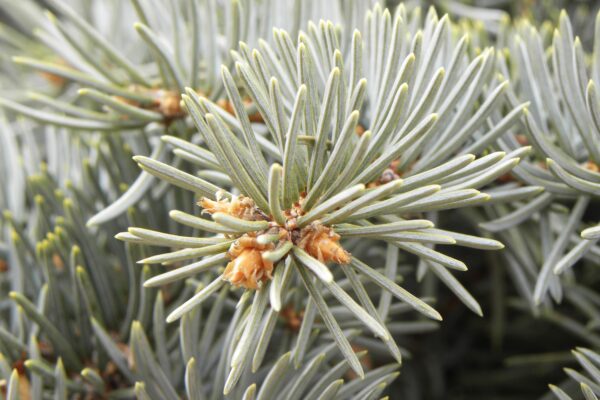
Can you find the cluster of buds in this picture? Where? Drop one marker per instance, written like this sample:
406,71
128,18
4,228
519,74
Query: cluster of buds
248,267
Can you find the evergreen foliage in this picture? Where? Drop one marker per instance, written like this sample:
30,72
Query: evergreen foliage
252,199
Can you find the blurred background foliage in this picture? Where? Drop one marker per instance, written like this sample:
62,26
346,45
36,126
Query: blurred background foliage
513,352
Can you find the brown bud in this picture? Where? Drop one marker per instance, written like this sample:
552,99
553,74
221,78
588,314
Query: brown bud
240,207
248,269
359,130
170,105
323,244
